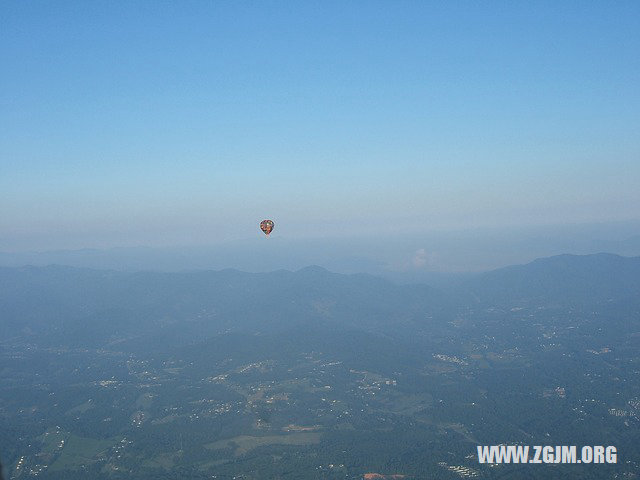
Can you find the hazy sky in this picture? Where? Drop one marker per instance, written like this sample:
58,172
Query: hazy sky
176,123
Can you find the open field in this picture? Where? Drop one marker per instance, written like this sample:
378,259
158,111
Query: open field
245,443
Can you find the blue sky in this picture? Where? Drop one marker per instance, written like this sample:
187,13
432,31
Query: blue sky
177,123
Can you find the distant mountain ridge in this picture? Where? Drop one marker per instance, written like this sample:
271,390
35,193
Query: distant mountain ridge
563,278
68,299
105,305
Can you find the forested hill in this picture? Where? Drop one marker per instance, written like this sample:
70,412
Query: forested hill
564,279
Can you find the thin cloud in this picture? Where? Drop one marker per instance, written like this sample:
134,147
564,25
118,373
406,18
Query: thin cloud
419,259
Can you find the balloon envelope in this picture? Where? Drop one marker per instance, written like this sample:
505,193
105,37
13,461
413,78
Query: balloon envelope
266,226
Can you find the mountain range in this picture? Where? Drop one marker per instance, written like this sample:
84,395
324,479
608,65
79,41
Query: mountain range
311,374
60,301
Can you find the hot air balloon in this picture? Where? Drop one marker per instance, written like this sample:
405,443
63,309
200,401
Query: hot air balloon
266,226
